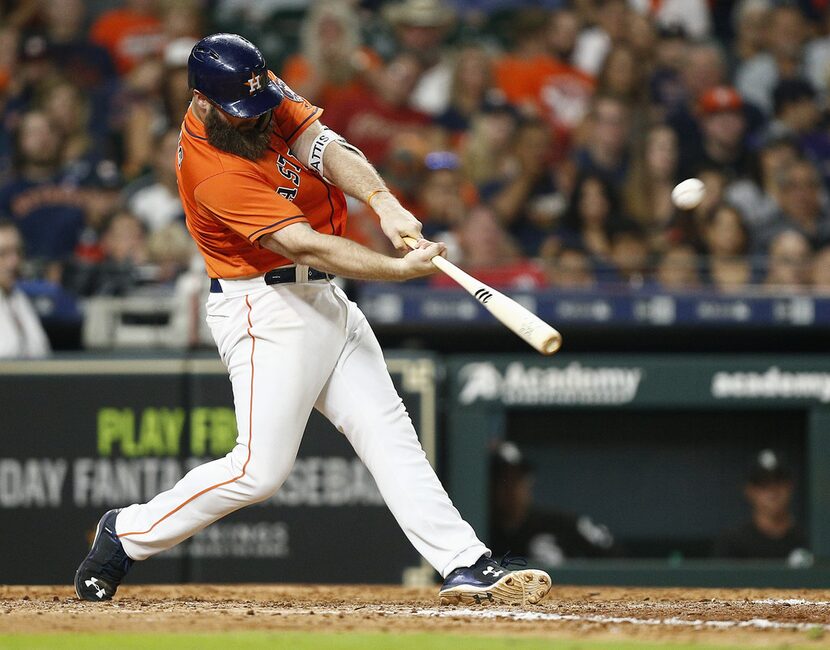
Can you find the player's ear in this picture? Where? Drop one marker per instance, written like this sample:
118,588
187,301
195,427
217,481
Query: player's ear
201,101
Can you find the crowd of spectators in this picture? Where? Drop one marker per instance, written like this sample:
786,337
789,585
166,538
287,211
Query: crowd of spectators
540,140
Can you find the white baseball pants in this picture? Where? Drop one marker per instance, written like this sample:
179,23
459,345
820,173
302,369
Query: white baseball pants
290,348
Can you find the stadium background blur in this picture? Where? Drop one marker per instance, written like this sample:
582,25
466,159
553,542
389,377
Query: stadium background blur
540,140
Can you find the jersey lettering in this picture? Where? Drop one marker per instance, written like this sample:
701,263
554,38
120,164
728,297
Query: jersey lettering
290,171
289,193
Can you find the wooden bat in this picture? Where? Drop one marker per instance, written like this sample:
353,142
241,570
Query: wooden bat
523,322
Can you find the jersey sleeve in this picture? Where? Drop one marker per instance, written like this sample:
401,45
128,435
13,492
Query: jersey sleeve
294,114
246,205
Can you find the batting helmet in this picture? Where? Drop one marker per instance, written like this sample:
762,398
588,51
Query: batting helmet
231,72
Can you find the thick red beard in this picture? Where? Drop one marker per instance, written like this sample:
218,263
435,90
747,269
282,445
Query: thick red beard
251,143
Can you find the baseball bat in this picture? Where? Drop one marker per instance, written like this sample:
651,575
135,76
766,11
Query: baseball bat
512,315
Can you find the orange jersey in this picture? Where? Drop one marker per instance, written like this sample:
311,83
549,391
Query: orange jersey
231,202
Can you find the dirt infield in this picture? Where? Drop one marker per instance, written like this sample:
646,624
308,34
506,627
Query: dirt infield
747,617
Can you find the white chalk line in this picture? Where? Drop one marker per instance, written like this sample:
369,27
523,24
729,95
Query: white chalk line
758,623
789,601
500,614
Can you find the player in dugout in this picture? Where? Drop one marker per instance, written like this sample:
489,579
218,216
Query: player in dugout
543,535
263,186
772,530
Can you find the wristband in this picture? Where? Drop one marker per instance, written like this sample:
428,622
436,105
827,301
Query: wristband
371,195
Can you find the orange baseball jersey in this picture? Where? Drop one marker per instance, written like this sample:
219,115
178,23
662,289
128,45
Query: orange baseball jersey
231,202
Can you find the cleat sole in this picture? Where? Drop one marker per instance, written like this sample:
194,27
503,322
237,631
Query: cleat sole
526,587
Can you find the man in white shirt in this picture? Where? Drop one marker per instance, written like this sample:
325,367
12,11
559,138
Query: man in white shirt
21,334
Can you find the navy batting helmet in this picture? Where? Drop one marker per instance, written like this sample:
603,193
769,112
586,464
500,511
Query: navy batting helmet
231,72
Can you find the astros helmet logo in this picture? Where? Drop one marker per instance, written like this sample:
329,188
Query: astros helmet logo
254,83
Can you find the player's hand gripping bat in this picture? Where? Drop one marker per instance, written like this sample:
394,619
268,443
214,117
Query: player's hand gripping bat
522,321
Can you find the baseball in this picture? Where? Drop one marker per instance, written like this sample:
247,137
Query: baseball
688,194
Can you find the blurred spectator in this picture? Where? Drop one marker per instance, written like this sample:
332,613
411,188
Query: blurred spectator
821,271
608,130
181,19
125,240
692,16
176,91
756,78
488,250
123,250
18,14
751,19
154,198
563,30
592,216
528,126
444,195
667,90
332,60
276,26
153,98
702,67
421,27
532,78
678,269
730,274
758,197
630,257
798,116
132,33
84,63
772,531
595,42
726,234
32,75
801,207
369,119
651,178
569,268
723,128
817,58
48,211
21,334
624,77
68,110
788,262
544,536
642,39
403,168
484,152
795,110
472,87
527,202
727,242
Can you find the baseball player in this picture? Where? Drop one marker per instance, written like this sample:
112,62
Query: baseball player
262,182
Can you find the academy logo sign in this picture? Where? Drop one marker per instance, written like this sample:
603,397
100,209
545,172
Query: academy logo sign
571,384
772,383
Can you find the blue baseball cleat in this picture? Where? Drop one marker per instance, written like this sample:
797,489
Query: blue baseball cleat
489,582
105,566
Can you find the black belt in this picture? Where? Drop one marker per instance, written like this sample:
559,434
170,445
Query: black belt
279,276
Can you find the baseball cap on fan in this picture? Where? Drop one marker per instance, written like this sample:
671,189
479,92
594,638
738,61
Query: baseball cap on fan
767,467
720,99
